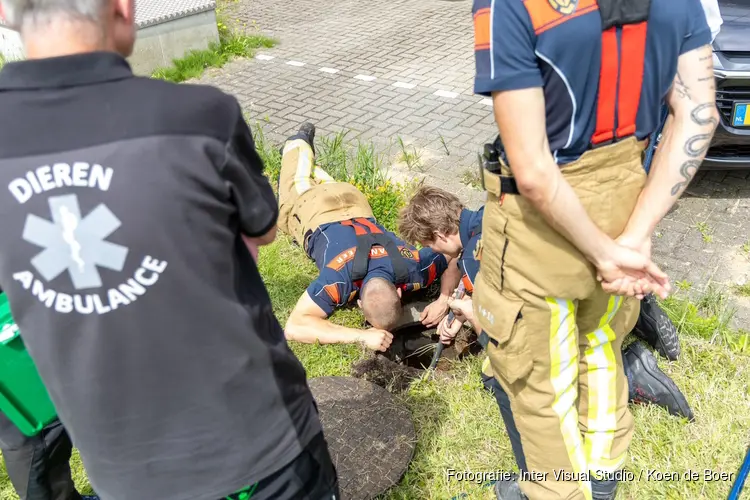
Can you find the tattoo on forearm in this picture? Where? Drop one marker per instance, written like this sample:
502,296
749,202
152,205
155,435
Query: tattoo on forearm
682,89
687,171
701,109
697,145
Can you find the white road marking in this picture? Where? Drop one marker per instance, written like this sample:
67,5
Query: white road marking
404,85
264,57
445,93
365,78
329,70
295,63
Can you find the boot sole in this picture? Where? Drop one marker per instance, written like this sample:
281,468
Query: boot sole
667,344
661,378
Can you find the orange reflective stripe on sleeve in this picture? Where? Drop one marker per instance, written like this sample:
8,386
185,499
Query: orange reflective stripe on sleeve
632,57
333,291
544,16
482,29
468,285
432,274
605,108
369,225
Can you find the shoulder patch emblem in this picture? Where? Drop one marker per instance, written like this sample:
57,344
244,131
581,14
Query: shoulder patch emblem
564,7
406,253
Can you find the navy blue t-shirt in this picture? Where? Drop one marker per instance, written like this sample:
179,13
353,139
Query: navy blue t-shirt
470,231
333,246
563,55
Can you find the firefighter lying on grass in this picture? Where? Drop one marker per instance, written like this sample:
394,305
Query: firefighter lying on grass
357,258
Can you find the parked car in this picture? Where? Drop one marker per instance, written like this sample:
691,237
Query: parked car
731,144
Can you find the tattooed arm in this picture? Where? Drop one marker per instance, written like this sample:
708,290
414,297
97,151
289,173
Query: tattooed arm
686,138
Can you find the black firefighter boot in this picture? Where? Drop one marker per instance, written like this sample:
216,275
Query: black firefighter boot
647,384
656,329
509,489
306,132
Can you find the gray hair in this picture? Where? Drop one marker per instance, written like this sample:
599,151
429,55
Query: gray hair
19,13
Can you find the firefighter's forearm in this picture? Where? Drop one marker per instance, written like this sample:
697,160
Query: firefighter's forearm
450,279
685,141
310,329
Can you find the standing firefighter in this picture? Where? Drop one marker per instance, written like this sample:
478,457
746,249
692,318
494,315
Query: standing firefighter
576,88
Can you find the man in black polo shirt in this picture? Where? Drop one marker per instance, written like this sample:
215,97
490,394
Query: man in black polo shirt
124,201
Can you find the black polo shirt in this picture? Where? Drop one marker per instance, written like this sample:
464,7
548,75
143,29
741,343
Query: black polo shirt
120,252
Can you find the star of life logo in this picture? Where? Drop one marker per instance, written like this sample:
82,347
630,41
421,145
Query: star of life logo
77,243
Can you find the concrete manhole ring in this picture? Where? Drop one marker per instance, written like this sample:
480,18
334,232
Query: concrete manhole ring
370,435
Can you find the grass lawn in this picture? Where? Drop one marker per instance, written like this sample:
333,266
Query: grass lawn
458,424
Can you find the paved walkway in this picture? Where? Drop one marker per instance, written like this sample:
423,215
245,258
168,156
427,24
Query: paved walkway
384,69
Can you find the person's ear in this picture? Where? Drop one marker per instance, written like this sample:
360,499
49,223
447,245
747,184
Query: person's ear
359,303
125,10
398,291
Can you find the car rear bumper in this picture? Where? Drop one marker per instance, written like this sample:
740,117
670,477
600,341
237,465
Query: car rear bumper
730,147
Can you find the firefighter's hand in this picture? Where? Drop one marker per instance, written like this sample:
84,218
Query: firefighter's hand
629,272
463,309
434,312
641,245
448,333
377,340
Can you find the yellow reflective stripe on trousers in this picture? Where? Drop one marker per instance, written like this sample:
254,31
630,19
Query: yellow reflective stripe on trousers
563,350
323,176
602,401
485,364
304,164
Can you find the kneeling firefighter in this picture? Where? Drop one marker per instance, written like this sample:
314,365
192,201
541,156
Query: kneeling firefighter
566,249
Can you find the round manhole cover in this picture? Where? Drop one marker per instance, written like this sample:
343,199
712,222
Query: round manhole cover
370,435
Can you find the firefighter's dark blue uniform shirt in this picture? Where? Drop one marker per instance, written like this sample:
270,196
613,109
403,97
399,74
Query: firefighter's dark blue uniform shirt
333,246
470,232
523,44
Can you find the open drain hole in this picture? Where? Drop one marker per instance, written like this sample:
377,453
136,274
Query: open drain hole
414,346
410,354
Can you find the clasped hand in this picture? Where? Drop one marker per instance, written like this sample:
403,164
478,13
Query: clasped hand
628,270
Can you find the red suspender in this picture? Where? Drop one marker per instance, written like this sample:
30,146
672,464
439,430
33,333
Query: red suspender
629,64
369,225
605,107
631,78
358,230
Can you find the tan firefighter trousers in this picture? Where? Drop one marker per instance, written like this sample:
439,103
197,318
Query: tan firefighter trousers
557,335
309,197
